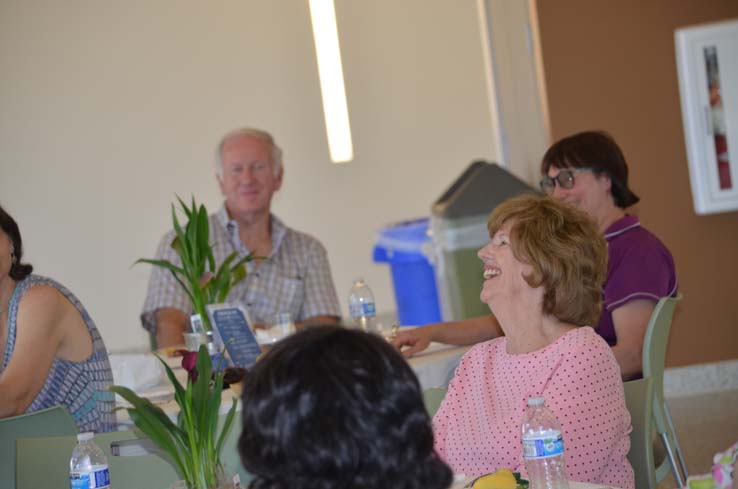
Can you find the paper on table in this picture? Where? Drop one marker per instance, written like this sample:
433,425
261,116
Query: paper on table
434,347
138,372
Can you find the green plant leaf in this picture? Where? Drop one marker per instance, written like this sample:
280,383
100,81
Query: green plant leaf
161,263
221,283
163,439
226,428
143,405
201,388
239,273
203,237
177,228
179,391
193,248
187,212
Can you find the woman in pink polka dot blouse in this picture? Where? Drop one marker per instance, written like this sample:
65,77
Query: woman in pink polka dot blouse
543,273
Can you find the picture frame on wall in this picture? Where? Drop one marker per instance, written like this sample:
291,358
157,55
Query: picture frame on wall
707,67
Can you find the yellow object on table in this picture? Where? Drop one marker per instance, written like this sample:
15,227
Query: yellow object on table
502,479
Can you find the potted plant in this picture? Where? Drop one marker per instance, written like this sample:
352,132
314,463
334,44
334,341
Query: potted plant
193,443
198,275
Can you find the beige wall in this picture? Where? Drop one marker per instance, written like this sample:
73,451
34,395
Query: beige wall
611,65
107,109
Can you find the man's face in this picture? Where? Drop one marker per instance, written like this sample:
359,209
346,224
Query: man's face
248,181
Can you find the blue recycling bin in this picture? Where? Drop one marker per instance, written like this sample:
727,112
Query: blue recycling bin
401,246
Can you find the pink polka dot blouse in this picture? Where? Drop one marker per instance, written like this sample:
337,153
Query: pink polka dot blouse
477,427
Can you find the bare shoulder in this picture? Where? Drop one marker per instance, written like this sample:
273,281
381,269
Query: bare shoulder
42,295
41,303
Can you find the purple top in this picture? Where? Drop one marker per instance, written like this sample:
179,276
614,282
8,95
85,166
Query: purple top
639,267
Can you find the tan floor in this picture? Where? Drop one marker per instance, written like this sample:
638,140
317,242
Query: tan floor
705,424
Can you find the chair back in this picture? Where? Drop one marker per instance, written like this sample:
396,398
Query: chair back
639,400
47,422
144,466
432,398
655,342
654,359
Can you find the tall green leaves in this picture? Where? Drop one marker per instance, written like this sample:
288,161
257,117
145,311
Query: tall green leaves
198,275
193,442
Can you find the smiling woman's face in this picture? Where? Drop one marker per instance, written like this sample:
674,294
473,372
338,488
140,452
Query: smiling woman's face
503,273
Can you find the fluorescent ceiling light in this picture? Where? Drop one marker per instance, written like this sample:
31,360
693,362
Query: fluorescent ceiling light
330,71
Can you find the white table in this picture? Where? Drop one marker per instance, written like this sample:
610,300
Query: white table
434,367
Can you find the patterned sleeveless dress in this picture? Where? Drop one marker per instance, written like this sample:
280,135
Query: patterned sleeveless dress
80,386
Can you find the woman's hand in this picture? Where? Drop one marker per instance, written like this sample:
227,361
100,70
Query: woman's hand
413,340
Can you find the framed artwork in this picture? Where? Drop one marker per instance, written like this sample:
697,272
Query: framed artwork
707,64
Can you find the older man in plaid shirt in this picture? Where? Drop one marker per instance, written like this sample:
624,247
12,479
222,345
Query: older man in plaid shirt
296,278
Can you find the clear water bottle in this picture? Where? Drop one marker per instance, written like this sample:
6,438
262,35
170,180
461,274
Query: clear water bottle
543,447
361,307
88,468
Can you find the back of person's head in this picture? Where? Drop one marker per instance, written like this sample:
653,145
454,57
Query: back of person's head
565,249
18,270
330,408
598,151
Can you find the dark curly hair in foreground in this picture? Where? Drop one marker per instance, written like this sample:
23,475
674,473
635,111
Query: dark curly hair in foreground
331,408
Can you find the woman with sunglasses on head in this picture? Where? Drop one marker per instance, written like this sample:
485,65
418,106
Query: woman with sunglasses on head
588,170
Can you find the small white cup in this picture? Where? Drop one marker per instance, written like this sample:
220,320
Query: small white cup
280,325
193,341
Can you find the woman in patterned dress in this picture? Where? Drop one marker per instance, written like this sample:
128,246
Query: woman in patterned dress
51,353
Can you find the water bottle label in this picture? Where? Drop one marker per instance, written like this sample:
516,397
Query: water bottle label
543,446
366,309
79,481
98,478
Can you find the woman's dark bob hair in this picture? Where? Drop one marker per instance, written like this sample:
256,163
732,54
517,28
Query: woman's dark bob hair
332,408
596,150
18,270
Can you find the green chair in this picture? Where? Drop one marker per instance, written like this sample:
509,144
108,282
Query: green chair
639,400
432,399
654,359
47,422
131,472
145,466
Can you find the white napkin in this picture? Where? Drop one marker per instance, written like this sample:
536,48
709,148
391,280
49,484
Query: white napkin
138,372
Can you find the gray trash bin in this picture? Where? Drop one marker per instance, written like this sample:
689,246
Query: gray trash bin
459,229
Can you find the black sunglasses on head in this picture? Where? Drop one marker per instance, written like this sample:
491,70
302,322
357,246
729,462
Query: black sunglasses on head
565,179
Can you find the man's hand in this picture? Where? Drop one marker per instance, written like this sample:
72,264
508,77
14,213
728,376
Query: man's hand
415,339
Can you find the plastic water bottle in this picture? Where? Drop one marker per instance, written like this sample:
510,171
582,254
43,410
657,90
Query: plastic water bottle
361,307
88,468
543,447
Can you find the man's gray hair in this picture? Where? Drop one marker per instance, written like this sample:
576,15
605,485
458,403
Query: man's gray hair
254,133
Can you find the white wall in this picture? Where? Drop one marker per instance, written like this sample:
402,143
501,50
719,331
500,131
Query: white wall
107,109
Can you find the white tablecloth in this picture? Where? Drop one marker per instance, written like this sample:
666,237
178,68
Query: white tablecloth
436,366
